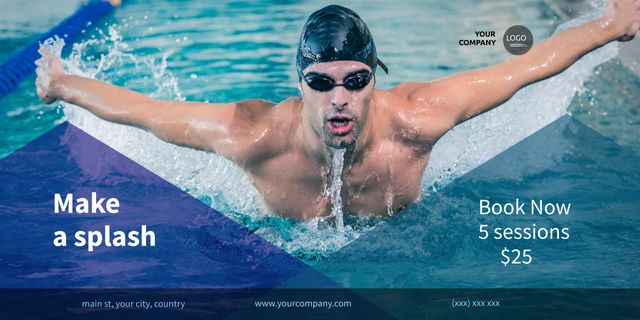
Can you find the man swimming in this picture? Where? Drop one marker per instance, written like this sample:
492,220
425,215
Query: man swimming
386,135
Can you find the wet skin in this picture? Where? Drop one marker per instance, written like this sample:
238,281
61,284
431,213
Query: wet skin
287,148
384,158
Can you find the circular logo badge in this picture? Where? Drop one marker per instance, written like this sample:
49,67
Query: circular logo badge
518,40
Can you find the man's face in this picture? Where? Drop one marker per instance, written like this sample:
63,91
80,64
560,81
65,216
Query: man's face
337,115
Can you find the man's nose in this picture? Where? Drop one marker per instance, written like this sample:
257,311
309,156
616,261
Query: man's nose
341,97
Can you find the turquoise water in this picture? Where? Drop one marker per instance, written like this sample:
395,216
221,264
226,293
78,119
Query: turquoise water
228,51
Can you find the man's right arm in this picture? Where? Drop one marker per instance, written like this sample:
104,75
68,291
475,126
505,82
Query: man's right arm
231,130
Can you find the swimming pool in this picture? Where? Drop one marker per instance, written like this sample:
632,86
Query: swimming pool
229,51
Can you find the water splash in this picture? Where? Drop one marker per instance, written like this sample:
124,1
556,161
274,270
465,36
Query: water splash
389,201
53,45
337,165
200,173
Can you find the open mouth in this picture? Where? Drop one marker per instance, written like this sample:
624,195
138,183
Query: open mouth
339,124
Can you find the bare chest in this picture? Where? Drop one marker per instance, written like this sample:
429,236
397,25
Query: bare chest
383,181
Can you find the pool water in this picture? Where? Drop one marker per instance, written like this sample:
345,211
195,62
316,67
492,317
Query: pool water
229,51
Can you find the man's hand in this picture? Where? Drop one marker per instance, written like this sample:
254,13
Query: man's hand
49,70
623,17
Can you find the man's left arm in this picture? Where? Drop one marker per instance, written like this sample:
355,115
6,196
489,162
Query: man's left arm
471,93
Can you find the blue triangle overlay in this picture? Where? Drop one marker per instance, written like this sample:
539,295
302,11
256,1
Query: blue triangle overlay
435,243
196,246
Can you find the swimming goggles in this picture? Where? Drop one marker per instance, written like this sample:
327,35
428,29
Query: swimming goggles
352,82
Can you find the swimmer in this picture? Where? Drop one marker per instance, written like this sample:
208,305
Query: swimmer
386,135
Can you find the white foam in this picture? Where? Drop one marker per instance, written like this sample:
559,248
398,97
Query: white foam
336,187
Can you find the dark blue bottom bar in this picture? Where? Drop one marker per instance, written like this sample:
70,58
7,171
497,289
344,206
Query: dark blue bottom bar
319,303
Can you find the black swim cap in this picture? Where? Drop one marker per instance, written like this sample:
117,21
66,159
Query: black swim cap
336,33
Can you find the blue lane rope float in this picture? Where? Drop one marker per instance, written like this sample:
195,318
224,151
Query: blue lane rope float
21,64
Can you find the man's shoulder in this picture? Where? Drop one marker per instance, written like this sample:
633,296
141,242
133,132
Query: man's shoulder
289,103
398,104
415,92
255,107
258,126
264,112
417,110
262,104
272,125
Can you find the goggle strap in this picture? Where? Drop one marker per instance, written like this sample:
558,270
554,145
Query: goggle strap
383,66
